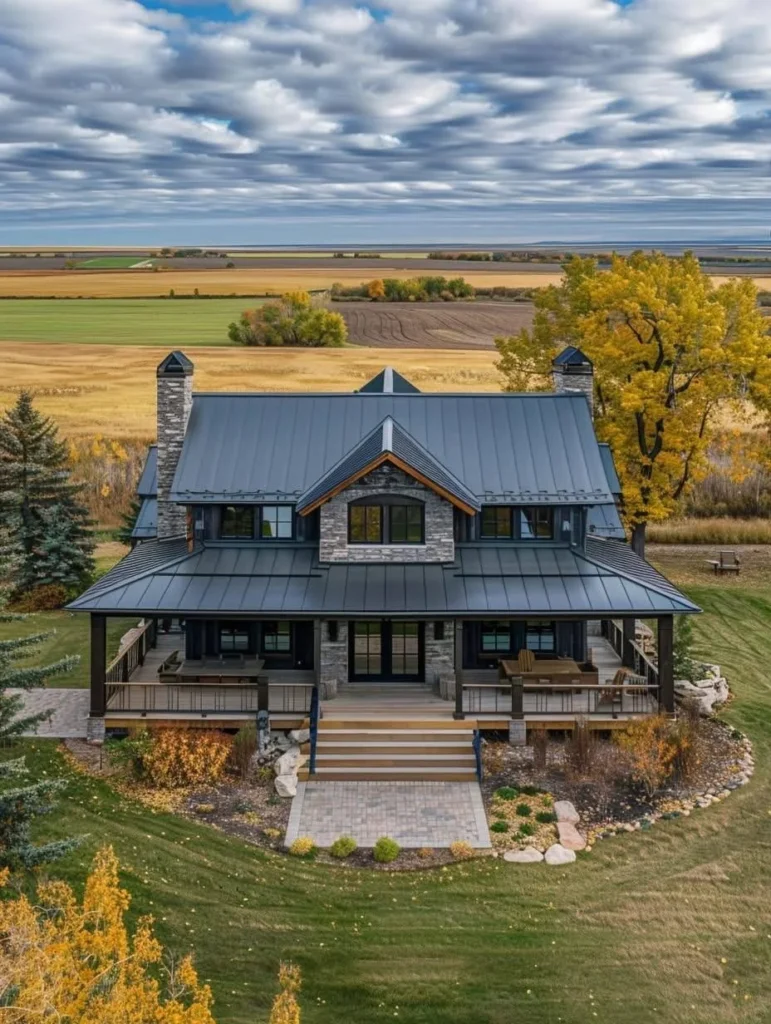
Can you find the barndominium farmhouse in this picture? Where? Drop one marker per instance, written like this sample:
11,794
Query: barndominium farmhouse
452,558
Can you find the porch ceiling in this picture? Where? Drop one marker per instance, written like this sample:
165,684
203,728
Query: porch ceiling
485,580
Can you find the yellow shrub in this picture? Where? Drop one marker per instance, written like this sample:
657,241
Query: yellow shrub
651,746
303,846
461,850
186,757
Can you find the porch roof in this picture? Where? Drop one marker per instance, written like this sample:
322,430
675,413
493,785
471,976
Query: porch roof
163,578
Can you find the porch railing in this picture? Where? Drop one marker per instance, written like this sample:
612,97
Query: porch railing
478,754
133,655
515,699
204,699
642,663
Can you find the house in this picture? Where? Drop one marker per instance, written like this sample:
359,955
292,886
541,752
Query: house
385,551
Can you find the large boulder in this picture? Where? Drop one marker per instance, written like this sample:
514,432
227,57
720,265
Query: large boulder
705,693
527,856
569,835
300,735
286,785
557,855
289,763
565,811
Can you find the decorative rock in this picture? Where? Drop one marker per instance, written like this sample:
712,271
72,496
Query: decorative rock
557,855
565,811
527,856
300,735
286,785
289,762
705,692
569,835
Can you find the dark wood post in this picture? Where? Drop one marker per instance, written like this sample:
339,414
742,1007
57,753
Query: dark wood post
517,697
627,651
263,693
458,670
666,663
98,665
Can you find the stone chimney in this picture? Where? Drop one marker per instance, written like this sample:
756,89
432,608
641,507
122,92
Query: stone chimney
175,400
573,371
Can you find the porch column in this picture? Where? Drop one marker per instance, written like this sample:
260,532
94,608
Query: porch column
627,651
458,713
666,663
98,703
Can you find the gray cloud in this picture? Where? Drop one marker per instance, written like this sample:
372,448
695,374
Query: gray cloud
449,111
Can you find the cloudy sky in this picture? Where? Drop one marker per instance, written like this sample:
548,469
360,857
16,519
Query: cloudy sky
308,121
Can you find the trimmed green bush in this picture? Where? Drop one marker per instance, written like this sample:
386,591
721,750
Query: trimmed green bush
500,826
525,829
507,793
343,847
524,810
386,850
546,817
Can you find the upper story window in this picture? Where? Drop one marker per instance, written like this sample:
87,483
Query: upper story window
394,521
507,522
276,522
237,522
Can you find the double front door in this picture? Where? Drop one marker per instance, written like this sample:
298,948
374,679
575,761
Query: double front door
381,650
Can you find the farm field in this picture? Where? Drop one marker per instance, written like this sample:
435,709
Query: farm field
237,281
110,389
457,325
669,925
186,322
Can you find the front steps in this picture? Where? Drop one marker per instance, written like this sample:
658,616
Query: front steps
397,751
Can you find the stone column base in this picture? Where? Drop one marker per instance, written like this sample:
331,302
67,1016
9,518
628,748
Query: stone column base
517,732
95,729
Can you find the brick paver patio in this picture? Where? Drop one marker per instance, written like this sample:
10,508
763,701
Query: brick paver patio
415,814
70,711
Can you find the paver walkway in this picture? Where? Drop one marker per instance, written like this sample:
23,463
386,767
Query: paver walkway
70,711
415,814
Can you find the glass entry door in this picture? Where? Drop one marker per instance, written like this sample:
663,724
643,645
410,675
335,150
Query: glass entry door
381,650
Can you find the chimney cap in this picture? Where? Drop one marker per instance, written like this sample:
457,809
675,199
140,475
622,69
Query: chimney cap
176,364
572,360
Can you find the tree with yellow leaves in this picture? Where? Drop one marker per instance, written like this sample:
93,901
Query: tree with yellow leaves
61,960
286,1009
376,290
671,351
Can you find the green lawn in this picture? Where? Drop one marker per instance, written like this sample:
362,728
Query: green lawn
672,926
114,263
187,322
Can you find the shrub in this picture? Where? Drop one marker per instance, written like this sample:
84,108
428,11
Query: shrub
343,847
546,817
425,853
461,850
130,752
580,749
185,757
688,737
303,846
386,850
45,598
507,793
500,825
651,748
684,665
524,810
244,747
525,829
540,743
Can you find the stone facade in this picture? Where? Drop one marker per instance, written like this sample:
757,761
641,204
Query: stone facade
440,654
333,657
386,479
175,400
574,378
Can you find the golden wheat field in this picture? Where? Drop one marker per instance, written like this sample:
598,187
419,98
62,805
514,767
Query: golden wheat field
260,281
110,389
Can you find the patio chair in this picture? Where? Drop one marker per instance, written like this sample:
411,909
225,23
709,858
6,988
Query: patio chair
727,561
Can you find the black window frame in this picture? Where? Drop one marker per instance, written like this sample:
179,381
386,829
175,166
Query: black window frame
386,510
541,628
281,630
367,511
238,510
234,629
541,513
499,628
502,516
279,506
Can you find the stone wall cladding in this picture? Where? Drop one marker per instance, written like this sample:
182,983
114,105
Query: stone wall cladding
333,656
175,400
387,479
440,654
583,383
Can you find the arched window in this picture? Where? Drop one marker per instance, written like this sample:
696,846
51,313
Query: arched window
386,519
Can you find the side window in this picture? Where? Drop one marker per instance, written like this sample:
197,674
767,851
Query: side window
365,524
237,522
496,522
276,522
536,524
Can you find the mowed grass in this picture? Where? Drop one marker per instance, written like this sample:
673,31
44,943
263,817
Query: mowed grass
115,263
186,322
110,389
673,925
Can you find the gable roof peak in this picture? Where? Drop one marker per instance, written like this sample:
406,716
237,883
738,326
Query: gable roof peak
176,364
388,382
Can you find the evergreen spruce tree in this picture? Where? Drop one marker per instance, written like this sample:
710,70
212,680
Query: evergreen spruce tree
129,521
18,677
19,806
36,496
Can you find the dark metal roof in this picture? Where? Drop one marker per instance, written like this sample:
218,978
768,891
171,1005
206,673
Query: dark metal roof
176,364
288,580
148,481
606,454
572,356
389,381
388,438
146,525
505,448
604,521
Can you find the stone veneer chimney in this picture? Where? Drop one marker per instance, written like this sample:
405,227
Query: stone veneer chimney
573,371
175,400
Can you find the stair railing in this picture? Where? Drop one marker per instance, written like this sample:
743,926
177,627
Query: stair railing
477,743
314,728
